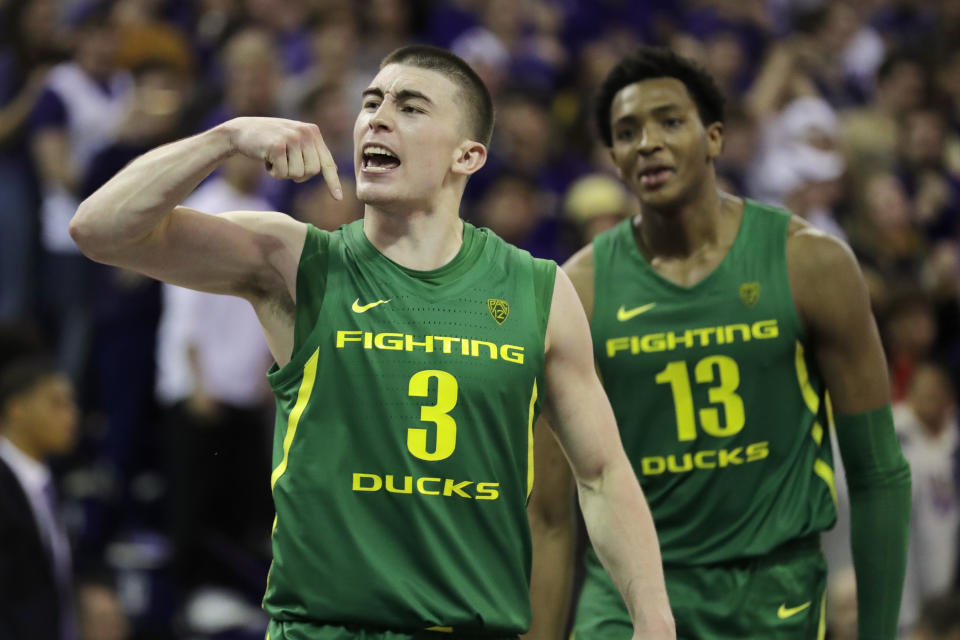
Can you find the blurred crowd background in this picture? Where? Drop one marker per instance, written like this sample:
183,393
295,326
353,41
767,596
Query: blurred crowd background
846,112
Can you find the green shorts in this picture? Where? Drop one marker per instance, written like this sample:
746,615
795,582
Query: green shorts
780,596
285,630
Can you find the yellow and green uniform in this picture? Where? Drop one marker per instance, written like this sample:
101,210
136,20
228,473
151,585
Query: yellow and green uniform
402,450
721,411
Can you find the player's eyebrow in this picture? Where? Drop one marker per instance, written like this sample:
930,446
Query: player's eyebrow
403,94
656,111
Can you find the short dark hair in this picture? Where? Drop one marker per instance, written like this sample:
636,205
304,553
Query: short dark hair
658,62
476,97
21,376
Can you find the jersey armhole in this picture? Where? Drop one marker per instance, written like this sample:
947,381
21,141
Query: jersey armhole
311,284
544,279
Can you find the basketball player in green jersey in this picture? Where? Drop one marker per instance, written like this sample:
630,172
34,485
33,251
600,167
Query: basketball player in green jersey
719,325
413,353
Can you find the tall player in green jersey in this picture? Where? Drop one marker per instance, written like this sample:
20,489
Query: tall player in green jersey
718,327
413,353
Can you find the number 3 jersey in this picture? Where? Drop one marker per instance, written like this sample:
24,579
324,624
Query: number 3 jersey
403,443
718,403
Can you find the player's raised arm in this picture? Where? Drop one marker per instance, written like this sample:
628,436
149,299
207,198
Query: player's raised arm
614,509
834,305
133,220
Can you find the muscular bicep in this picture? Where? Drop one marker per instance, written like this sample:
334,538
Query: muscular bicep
252,254
834,304
577,407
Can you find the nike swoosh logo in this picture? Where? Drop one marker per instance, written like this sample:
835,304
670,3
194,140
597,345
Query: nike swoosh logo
623,315
358,308
783,612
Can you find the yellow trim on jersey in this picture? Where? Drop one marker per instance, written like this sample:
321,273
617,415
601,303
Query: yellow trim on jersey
817,433
441,629
533,402
822,626
810,396
303,396
824,470
812,400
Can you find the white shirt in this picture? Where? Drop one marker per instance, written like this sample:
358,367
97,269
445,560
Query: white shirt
231,350
935,511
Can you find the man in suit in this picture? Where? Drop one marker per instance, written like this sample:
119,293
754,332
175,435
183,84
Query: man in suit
38,420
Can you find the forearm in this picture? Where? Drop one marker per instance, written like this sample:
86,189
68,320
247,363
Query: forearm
552,577
622,532
878,478
138,199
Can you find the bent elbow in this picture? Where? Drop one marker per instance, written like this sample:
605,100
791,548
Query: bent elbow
84,234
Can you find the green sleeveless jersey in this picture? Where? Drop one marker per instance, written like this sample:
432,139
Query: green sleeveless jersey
403,443
718,403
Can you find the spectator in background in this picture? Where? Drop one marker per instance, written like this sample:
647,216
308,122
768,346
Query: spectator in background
947,82
909,328
885,237
926,426
143,36
125,308
871,133
38,421
940,619
286,22
514,209
212,357
79,113
923,172
30,38
596,203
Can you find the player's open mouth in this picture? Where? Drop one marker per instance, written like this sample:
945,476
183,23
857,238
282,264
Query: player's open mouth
655,177
378,159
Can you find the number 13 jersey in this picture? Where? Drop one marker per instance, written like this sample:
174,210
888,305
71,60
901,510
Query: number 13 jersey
717,401
403,441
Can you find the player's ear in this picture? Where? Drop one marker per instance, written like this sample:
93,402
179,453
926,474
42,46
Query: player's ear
469,157
714,140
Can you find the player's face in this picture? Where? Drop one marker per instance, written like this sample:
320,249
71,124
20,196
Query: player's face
660,146
406,137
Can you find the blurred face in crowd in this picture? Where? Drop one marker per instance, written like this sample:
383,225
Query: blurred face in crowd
931,397
250,61
661,148
410,139
97,50
43,419
511,208
888,208
39,23
923,139
524,130
903,88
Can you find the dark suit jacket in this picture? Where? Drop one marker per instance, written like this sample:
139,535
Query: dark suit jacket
29,607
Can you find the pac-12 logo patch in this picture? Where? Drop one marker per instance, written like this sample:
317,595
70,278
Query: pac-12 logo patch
750,293
499,309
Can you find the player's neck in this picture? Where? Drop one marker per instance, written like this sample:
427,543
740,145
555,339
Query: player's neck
683,230
419,239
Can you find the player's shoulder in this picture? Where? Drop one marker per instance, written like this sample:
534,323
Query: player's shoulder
813,252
